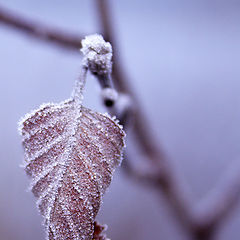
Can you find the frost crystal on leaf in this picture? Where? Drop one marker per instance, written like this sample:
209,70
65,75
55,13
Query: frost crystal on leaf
70,156
99,232
71,153
97,54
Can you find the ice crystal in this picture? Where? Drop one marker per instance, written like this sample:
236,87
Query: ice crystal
97,54
70,153
99,232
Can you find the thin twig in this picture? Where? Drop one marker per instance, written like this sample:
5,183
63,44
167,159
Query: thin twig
40,31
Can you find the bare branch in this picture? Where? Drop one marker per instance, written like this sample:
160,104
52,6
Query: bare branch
213,210
40,31
166,186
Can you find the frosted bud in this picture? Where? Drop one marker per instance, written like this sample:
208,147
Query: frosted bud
109,96
97,54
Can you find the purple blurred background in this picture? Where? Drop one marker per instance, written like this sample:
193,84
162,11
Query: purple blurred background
182,58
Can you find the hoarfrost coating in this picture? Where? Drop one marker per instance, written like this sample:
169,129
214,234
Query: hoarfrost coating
97,54
71,163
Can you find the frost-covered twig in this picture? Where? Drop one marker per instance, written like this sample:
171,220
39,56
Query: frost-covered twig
144,137
39,31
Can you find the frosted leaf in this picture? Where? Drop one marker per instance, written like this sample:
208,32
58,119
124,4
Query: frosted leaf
71,153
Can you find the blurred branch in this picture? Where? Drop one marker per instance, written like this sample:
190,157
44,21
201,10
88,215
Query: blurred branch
170,190
39,31
144,137
201,223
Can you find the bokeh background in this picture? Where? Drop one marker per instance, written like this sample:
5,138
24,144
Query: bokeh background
182,58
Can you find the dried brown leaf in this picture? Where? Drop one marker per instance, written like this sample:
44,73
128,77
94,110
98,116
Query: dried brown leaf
71,153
